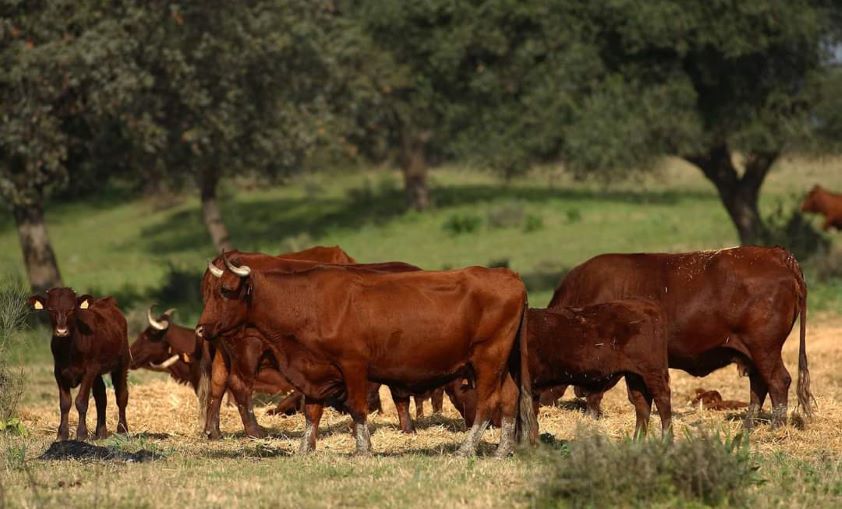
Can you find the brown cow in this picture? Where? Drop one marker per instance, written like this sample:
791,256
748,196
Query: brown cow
728,306
89,339
821,201
336,327
712,400
234,366
594,347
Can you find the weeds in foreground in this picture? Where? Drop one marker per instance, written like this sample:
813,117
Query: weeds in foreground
12,316
701,469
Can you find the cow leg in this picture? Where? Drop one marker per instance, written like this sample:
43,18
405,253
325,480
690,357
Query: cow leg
658,385
100,399
120,381
758,391
312,415
82,400
437,400
641,398
401,400
64,402
218,386
419,406
488,398
778,381
356,390
508,410
374,403
243,396
289,405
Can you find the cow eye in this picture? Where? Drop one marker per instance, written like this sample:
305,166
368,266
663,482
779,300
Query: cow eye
228,293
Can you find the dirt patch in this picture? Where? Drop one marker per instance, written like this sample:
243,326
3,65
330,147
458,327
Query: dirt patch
76,450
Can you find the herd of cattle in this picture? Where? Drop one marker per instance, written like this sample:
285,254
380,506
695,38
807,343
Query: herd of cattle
326,330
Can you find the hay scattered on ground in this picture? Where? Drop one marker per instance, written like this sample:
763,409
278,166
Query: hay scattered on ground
164,412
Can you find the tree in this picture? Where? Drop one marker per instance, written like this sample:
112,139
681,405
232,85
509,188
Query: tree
235,89
64,72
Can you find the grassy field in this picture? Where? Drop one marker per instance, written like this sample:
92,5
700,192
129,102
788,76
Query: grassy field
153,249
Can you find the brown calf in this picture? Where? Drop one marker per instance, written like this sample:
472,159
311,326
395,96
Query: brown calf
822,201
593,347
89,339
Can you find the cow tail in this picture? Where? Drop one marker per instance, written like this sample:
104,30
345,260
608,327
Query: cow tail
203,388
806,401
527,424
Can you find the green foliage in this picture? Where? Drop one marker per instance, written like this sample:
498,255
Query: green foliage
533,223
13,426
459,224
789,228
704,468
13,312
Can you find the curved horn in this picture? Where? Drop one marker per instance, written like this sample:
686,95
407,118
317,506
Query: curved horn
167,363
216,271
241,271
162,325
168,313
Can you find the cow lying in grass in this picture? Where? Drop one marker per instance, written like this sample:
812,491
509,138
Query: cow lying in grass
593,347
89,339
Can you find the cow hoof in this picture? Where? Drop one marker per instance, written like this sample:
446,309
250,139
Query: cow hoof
213,435
409,431
81,435
101,434
256,433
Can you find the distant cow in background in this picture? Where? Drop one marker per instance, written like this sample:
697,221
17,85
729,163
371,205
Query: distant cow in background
168,347
727,306
822,201
89,339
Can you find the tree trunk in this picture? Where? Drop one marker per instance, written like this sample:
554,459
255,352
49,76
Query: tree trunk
211,213
414,168
38,255
738,193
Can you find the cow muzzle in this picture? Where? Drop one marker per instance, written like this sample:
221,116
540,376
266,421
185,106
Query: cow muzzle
61,332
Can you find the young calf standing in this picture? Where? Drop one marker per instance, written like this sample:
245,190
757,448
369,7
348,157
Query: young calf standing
89,339
593,347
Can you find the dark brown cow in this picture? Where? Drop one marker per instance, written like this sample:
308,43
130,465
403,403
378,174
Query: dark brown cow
728,306
821,201
594,347
89,339
337,327
235,364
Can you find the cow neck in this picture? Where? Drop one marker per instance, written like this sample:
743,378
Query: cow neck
278,313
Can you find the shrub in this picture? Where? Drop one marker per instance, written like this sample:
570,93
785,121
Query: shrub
573,216
793,231
703,468
533,223
13,312
506,215
458,224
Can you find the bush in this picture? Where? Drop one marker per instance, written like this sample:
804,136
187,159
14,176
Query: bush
506,215
573,216
533,223
13,312
596,471
793,231
458,224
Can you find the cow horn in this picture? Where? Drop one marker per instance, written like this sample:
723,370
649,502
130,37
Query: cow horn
168,313
159,325
216,271
241,271
167,363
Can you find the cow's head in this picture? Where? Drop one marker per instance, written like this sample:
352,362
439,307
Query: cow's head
226,294
152,348
812,202
62,304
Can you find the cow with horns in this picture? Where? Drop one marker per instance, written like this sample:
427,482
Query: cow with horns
334,328
89,339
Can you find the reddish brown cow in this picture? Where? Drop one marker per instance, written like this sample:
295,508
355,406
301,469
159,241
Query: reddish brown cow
594,347
238,352
728,306
89,339
822,201
337,327
712,400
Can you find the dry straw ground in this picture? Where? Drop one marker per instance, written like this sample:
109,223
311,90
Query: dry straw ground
406,471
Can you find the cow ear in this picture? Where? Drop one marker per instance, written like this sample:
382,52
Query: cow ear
37,302
84,301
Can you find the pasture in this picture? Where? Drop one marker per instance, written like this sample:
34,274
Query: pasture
153,250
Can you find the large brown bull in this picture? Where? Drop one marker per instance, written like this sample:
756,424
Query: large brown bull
334,328
89,339
728,306
235,366
821,201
